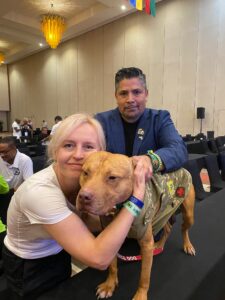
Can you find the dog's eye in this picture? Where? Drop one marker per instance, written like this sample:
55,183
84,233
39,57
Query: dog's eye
112,177
85,173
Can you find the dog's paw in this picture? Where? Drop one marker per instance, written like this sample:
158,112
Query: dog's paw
106,289
189,249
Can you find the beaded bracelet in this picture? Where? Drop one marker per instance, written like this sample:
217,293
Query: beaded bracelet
133,209
136,201
156,161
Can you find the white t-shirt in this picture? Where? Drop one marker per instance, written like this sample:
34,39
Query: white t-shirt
39,200
54,127
20,170
16,133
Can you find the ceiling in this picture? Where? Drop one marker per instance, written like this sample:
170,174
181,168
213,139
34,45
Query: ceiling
20,33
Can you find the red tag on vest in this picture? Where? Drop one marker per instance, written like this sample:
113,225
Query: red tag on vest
180,192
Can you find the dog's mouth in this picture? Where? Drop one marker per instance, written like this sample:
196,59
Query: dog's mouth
93,209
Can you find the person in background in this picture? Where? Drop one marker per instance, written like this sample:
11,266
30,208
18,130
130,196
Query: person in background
14,165
30,123
44,228
26,129
43,134
58,120
4,189
146,134
16,129
44,124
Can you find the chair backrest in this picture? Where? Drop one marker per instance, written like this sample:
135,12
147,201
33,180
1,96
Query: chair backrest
210,134
4,204
193,168
216,182
39,163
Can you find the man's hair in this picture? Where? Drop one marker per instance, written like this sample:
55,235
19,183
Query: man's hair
8,140
128,73
58,118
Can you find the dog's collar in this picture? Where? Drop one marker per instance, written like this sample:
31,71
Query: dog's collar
119,206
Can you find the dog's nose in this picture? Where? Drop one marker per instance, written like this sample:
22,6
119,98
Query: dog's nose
85,196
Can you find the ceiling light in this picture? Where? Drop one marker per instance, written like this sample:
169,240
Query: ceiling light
2,58
123,7
40,44
53,27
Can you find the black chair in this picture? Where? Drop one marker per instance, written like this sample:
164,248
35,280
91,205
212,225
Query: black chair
4,204
216,182
193,168
39,163
24,150
210,135
221,161
220,142
200,136
212,146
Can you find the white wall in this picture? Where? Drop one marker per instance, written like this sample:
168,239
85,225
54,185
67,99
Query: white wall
182,52
4,89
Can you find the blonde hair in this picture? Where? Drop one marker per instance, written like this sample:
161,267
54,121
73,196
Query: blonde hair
67,126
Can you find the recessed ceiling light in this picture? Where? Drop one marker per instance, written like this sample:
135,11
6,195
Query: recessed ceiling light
40,44
123,7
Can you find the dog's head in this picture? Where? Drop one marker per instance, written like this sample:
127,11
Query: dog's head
106,180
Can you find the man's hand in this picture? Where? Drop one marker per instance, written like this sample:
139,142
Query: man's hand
146,163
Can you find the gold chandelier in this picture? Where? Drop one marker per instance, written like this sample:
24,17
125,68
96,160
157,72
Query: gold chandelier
53,27
2,58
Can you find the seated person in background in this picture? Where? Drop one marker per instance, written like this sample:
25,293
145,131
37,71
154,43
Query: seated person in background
14,165
44,228
43,135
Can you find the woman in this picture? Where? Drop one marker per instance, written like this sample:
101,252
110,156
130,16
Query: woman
43,228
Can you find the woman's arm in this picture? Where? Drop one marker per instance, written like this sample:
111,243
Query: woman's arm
98,252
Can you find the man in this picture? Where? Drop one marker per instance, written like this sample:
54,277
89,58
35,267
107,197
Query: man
133,129
148,135
16,129
14,166
58,120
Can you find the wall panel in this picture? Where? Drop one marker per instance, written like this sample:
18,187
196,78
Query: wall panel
181,50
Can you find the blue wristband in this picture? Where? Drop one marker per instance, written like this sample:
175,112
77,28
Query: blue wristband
136,201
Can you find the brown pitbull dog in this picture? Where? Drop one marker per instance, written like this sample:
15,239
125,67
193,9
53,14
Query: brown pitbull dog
107,180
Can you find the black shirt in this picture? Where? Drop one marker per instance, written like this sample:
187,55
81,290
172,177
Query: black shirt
129,133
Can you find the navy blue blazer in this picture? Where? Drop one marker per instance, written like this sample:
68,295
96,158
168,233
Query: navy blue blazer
155,131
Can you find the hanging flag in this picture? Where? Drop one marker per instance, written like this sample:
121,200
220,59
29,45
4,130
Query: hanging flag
133,3
152,8
139,4
147,6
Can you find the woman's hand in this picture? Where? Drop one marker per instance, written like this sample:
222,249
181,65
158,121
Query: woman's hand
147,165
139,178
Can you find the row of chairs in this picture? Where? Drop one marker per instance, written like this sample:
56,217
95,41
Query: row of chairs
216,145
200,136
211,164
